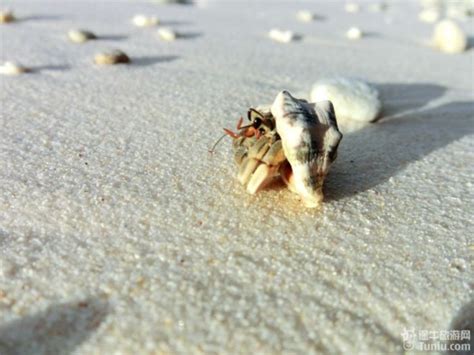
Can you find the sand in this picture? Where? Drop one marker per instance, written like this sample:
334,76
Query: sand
120,234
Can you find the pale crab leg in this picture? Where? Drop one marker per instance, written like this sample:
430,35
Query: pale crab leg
250,164
259,178
268,167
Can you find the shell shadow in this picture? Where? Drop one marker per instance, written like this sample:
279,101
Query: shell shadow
146,61
112,37
189,35
464,320
51,67
59,329
174,23
40,18
374,154
399,98
371,34
470,43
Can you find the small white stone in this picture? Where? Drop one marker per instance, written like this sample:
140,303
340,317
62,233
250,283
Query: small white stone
305,16
111,57
167,34
145,21
11,68
352,7
429,15
354,33
6,16
281,36
448,37
80,36
353,99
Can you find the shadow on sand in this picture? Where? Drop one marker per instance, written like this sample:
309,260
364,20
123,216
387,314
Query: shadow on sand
59,67
189,35
145,61
59,329
40,18
464,320
398,98
112,37
372,155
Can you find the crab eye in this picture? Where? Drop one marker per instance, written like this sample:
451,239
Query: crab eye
262,131
257,122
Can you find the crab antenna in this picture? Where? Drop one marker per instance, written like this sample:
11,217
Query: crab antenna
217,142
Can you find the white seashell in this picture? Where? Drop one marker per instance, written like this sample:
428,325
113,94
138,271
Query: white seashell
167,34
449,37
11,68
6,16
145,21
353,99
354,33
430,15
310,138
80,36
352,7
281,36
111,57
305,16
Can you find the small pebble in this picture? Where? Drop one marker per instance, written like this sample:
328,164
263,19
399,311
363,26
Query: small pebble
448,37
145,21
354,33
11,68
352,7
281,36
429,15
111,57
80,36
305,16
353,99
6,16
167,34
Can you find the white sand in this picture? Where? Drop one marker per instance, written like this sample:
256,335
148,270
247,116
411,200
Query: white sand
119,232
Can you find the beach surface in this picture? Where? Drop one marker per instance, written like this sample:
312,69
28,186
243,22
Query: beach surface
121,234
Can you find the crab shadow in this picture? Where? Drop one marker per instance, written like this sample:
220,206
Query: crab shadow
464,320
59,329
373,155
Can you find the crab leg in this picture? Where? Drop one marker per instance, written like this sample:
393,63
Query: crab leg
259,177
250,164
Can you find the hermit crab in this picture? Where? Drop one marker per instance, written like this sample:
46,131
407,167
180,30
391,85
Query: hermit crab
293,139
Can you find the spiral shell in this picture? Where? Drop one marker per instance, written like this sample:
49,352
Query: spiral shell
310,139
